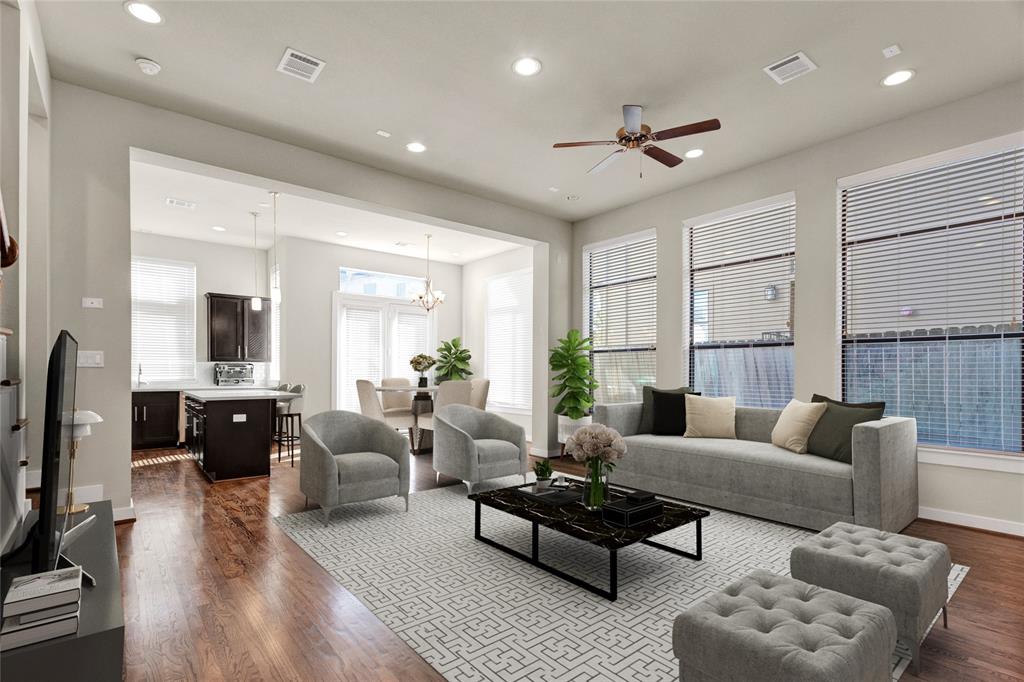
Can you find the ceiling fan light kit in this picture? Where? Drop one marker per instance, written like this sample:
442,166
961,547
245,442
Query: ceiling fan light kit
634,134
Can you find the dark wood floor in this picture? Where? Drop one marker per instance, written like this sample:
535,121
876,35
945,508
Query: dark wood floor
213,590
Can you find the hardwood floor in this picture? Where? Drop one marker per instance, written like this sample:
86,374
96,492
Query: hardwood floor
213,590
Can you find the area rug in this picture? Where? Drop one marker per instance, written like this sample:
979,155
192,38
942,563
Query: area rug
475,613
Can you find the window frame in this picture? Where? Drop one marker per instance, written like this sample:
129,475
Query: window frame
498,406
192,352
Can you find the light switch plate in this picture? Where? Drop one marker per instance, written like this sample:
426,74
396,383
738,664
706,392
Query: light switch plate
92,302
90,358
238,417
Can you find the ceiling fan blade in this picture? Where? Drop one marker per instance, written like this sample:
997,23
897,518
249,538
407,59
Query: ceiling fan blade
690,129
606,161
662,156
631,117
563,145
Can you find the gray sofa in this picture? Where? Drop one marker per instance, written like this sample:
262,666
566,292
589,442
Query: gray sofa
751,476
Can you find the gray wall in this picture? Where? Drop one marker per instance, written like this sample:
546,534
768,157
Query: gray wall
92,134
812,174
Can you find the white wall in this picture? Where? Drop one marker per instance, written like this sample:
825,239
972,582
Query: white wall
91,137
474,306
812,174
309,276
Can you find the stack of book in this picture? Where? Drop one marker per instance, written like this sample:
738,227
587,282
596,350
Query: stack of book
41,606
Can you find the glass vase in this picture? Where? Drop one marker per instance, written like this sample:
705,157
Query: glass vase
595,484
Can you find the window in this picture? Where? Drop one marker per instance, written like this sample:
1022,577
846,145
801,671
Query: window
386,285
620,314
163,319
931,297
410,335
360,350
509,340
275,324
741,270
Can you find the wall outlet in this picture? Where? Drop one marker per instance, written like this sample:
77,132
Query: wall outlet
92,302
238,417
90,358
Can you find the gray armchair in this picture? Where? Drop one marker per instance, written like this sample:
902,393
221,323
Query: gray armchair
473,445
347,457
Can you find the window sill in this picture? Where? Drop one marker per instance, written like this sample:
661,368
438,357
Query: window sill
1012,464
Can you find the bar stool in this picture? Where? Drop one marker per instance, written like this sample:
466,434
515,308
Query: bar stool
288,412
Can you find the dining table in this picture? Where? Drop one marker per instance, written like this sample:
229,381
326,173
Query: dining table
422,403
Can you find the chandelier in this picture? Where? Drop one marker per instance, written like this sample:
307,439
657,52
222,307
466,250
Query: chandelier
429,299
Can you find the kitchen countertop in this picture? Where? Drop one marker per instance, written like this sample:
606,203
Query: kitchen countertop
206,395
146,388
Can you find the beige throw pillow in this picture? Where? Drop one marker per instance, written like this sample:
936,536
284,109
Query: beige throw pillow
795,425
710,417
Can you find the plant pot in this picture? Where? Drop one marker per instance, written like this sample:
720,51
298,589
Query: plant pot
542,484
567,427
423,381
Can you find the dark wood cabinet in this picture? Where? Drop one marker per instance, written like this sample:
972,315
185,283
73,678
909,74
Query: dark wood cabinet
230,438
235,331
155,419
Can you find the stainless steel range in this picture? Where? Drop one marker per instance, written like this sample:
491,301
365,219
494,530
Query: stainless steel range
233,374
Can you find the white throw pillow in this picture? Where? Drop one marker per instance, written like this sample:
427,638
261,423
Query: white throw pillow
710,417
795,425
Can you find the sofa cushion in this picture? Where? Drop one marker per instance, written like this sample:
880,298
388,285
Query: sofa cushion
742,467
647,411
832,436
494,451
669,413
359,467
795,425
710,417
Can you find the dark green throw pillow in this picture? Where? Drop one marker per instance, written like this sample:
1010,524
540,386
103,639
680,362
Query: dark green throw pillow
647,412
669,412
832,436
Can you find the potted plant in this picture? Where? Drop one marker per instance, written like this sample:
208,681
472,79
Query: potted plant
452,361
421,363
574,383
599,447
542,468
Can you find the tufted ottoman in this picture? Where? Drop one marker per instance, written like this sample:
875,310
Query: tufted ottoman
768,627
907,575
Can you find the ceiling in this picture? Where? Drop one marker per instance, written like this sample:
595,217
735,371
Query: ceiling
228,205
439,73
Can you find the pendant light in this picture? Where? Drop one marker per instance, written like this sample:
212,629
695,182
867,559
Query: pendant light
275,284
256,302
429,299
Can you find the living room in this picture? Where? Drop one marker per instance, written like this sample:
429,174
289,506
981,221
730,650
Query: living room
828,209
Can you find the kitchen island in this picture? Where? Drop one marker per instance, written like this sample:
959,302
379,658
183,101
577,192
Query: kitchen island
229,432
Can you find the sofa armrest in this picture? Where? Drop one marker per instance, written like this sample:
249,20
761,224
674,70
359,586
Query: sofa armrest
384,439
885,473
455,452
318,473
623,417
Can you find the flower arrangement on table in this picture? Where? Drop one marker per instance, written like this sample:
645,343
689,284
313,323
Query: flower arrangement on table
421,363
600,447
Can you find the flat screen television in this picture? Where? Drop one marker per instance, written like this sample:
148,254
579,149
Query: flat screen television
56,465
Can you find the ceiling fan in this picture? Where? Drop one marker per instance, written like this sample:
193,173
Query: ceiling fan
636,135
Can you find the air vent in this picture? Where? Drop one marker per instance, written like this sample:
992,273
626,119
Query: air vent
180,203
789,68
294,63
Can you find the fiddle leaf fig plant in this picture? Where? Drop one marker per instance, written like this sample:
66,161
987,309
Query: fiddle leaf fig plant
452,361
573,380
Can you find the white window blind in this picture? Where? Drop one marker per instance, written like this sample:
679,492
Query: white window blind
163,319
360,350
932,278
509,340
741,273
621,300
410,335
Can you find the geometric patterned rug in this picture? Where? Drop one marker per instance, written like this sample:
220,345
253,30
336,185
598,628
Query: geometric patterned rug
475,613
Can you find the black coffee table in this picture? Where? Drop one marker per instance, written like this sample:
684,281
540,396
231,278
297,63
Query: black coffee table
576,521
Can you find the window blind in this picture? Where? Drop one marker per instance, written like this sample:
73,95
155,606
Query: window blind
621,301
360,350
741,273
932,278
163,319
509,340
409,337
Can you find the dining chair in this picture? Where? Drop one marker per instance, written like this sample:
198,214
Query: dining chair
478,395
369,403
448,393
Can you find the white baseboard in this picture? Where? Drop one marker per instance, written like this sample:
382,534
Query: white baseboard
972,520
125,513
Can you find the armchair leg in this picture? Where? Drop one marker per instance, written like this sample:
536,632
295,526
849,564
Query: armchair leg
469,486
327,516
437,477
524,479
305,504
407,502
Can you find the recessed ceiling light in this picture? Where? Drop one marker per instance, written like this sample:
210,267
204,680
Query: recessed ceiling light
147,66
552,189
416,147
341,234
572,197
383,133
898,77
402,244
218,228
143,12
694,154
527,66
263,204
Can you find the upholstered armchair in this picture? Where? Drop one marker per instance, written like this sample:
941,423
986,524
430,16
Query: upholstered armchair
347,457
474,446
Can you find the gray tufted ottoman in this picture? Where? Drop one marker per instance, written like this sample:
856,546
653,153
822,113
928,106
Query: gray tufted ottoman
907,575
769,628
